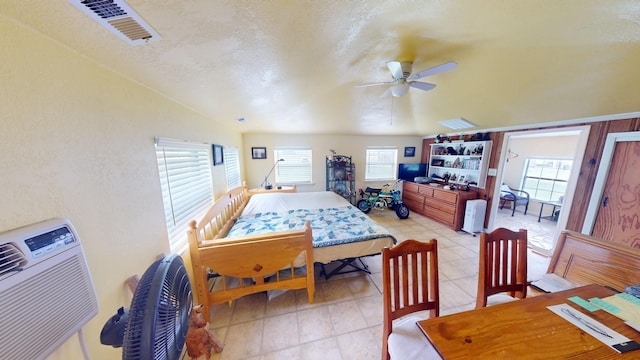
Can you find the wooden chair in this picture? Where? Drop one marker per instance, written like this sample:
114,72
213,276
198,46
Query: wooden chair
514,196
503,267
410,284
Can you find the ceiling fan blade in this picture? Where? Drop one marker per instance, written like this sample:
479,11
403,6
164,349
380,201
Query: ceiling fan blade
396,69
374,84
421,85
434,70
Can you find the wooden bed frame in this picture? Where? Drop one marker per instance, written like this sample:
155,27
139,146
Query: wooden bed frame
584,259
248,260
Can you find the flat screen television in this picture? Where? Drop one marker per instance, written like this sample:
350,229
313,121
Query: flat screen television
408,172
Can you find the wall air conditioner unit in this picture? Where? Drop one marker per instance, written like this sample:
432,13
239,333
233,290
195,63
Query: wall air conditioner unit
46,292
120,19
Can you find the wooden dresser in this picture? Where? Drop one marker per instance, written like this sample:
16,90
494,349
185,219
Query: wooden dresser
445,206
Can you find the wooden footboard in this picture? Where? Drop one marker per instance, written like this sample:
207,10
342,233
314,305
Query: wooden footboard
242,265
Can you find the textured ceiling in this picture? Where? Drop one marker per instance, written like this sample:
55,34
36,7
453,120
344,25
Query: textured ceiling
291,66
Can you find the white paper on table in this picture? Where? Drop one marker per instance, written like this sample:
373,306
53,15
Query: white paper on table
614,337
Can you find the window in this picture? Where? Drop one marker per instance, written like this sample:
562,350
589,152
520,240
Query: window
232,167
295,167
381,164
546,179
187,191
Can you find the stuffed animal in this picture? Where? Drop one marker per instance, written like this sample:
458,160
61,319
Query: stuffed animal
200,341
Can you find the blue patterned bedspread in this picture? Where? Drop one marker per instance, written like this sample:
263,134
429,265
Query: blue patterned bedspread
330,226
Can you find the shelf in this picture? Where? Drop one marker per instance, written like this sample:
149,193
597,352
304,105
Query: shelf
472,157
340,177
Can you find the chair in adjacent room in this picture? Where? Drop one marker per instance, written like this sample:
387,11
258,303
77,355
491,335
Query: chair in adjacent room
410,285
503,267
515,197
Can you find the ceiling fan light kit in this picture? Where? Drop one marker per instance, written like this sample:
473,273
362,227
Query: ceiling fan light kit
403,79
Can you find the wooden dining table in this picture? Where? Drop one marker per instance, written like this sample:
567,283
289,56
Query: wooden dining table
526,329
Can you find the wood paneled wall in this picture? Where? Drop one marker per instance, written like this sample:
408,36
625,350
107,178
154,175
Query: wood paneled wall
588,168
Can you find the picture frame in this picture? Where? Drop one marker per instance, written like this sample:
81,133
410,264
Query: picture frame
258,152
218,156
409,151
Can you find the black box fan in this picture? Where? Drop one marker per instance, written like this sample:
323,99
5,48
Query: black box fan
156,324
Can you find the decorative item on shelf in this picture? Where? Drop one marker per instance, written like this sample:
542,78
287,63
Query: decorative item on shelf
457,163
265,183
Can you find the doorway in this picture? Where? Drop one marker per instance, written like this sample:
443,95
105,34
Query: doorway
522,151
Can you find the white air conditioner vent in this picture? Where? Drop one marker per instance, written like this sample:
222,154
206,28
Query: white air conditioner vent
120,19
11,259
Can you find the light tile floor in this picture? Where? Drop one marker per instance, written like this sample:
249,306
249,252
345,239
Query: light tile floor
345,319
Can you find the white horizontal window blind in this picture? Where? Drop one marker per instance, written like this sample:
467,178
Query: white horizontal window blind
381,163
187,191
295,167
232,167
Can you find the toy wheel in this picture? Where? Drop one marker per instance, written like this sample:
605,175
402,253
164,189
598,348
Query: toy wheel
402,211
363,206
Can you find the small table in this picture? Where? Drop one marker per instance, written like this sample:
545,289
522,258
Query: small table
525,329
555,204
275,189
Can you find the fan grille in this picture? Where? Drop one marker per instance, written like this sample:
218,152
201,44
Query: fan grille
160,312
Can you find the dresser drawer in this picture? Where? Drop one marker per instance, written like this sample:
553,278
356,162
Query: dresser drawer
446,195
409,187
426,190
440,206
408,196
440,215
416,206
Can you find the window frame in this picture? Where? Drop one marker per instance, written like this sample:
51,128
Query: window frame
185,173
385,175
535,191
231,155
285,170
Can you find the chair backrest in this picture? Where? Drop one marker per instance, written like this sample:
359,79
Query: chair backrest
503,264
409,282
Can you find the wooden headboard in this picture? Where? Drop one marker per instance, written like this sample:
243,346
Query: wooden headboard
584,259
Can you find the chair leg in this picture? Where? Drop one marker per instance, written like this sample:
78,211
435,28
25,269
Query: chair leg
513,209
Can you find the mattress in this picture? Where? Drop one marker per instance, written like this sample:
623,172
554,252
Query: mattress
340,230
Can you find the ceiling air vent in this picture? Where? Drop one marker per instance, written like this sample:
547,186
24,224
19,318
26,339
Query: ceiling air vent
11,259
120,19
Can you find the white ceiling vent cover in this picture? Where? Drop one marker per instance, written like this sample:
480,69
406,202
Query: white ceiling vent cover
120,19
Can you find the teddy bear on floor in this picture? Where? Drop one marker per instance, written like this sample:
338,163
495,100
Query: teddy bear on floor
200,341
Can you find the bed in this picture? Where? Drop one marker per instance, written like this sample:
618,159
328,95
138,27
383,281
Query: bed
271,241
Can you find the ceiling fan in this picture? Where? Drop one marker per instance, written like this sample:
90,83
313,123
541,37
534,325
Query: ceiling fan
403,79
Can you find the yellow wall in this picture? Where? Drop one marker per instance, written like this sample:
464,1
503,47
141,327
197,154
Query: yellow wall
76,141
354,146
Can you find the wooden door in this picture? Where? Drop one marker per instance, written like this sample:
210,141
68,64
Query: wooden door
618,213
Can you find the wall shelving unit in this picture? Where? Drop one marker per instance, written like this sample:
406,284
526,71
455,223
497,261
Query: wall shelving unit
460,162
